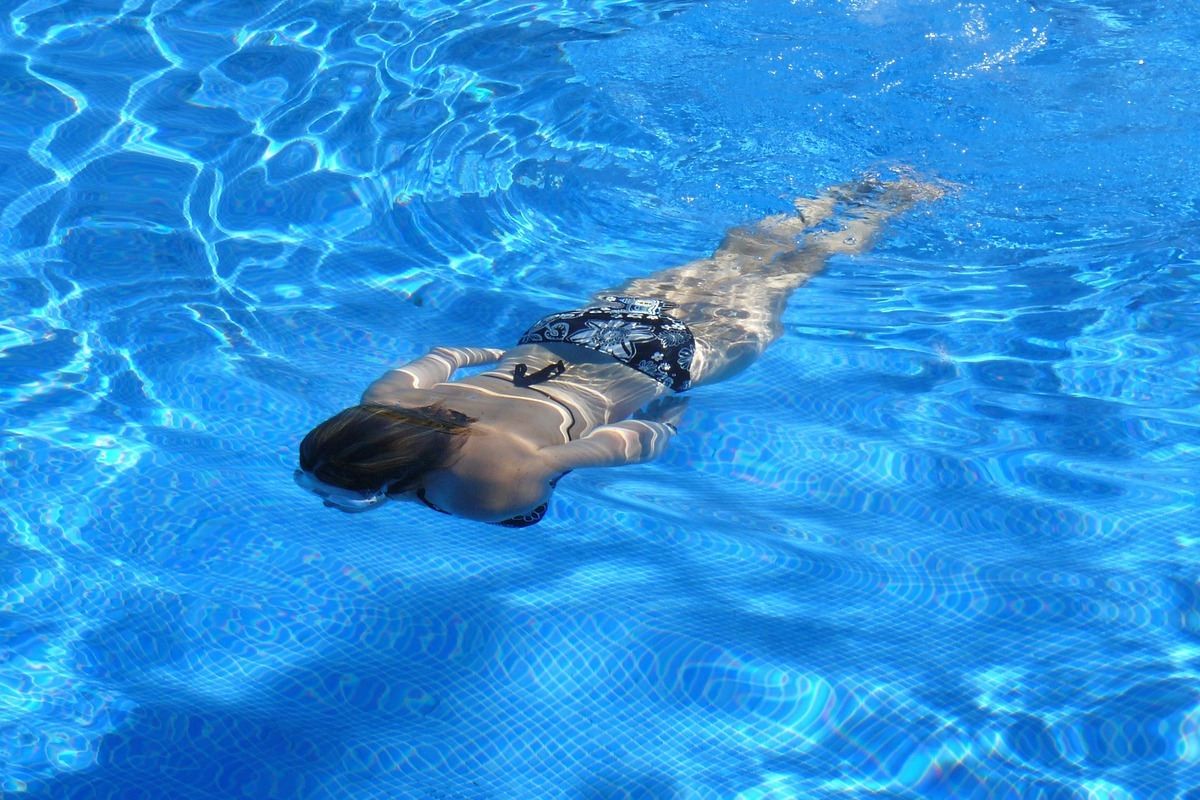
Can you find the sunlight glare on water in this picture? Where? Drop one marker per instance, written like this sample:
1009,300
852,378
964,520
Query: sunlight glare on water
940,541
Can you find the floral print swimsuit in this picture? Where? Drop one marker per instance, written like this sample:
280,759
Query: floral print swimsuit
633,330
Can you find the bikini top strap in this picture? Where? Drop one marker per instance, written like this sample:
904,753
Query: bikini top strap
522,378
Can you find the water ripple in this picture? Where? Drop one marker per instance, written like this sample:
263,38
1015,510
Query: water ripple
938,541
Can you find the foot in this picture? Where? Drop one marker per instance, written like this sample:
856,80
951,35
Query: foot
875,194
907,191
813,211
868,204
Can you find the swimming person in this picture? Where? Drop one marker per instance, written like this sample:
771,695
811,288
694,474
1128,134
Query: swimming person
492,447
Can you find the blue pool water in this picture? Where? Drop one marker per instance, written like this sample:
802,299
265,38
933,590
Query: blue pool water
941,541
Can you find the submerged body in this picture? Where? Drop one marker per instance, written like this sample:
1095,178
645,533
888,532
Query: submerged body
564,398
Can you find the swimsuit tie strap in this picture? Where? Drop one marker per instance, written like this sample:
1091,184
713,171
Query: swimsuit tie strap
521,378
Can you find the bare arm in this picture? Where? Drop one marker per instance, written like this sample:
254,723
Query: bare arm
432,368
630,442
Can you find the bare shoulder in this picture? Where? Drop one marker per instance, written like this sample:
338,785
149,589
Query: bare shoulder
493,451
495,475
400,397
410,397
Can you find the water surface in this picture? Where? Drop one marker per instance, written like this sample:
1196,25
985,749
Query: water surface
938,542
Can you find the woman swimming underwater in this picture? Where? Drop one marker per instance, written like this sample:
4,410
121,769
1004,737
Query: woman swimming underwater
493,446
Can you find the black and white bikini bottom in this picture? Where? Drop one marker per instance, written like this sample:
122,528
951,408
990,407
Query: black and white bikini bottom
634,331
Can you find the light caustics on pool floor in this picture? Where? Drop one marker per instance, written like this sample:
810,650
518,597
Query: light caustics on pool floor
938,542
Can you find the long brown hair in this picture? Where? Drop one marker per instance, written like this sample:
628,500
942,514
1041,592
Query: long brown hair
369,446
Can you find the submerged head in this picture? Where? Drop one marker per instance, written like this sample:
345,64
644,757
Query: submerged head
360,456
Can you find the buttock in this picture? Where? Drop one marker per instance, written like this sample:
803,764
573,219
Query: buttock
635,331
